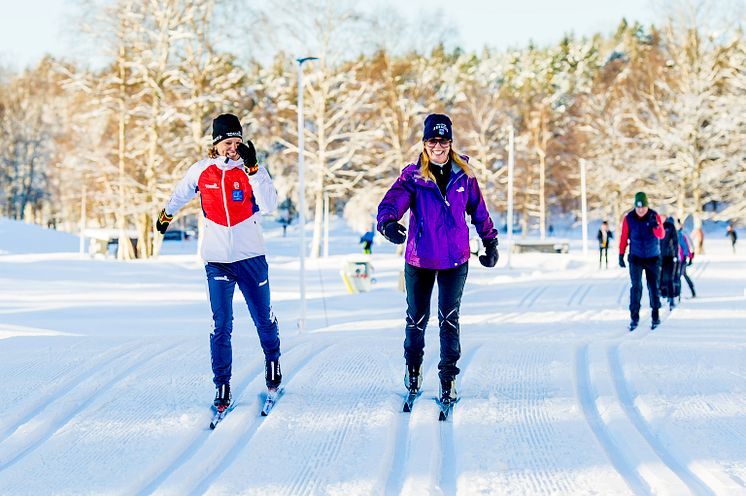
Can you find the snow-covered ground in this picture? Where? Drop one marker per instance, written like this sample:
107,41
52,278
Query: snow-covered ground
105,380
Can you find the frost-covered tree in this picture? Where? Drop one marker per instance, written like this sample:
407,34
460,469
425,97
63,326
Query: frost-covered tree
27,134
692,113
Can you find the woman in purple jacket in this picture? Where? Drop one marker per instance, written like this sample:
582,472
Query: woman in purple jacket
440,190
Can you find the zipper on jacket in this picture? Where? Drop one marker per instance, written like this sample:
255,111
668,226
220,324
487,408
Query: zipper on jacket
225,206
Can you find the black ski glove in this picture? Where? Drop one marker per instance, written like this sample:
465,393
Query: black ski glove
247,152
162,222
489,259
394,232
621,261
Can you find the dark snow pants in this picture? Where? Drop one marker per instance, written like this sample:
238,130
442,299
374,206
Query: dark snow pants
419,284
652,268
251,275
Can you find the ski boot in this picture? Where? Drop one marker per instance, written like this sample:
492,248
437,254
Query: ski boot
413,378
448,393
655,320
671,303
634,320
272,375
223,397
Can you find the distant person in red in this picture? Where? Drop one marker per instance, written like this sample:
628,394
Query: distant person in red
642,228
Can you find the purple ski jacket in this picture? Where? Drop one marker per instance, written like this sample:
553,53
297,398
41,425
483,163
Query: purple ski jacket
438,237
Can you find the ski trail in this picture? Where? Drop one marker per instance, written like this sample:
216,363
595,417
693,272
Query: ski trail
529,294
587,397
16,418
312,475
584,295
402,441
448,471
624,291
537,294
160,472
231,454
578,289
694,484
34,433
203,462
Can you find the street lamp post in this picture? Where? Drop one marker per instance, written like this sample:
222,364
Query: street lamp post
583,207
301,196
511,166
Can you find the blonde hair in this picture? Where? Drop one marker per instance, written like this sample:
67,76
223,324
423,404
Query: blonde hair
212,152
457,159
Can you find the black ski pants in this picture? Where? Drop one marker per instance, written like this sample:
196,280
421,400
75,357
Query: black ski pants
419,283
652,268
603,256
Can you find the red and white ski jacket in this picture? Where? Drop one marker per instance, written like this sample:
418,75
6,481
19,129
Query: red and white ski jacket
230,201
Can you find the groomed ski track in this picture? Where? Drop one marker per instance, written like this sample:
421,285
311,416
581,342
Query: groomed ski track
556,398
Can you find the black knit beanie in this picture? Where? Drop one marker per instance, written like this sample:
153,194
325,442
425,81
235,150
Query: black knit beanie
225,126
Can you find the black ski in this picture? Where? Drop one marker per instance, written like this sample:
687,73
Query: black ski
409,401
445,409
271,400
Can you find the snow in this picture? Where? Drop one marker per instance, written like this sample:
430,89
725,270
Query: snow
106,381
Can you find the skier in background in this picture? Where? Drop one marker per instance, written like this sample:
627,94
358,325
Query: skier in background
687,255
670,281
367,241
604,237
439,190
233,190
641,230
731,233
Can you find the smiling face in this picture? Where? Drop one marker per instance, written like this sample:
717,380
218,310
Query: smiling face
227,148
438,150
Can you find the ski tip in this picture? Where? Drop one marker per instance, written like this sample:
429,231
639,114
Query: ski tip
264,414
406,408
442,417
212,426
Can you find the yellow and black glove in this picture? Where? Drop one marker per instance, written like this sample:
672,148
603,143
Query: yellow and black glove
247,152
161,224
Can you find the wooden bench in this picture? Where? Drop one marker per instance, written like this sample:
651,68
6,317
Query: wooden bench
545,246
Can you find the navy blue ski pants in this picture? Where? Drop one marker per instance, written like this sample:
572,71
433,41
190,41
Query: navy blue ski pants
419,284
251,275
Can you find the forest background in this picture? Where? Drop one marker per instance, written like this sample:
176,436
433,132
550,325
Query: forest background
659,108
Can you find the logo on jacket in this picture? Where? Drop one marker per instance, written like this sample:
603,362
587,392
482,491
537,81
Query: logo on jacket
460,189
212,186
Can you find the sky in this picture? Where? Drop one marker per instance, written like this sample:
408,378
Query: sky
29,30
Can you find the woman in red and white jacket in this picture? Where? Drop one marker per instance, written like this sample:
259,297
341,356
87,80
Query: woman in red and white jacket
233,190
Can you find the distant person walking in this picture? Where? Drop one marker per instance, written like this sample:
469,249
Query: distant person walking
731,233
642,229
687,255
367,241
233,190
440,191
604,237
670,281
